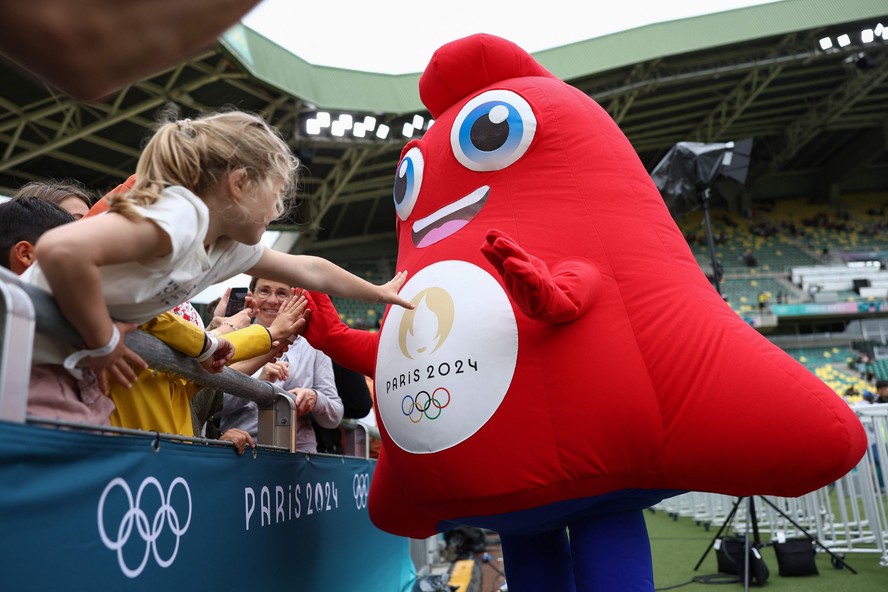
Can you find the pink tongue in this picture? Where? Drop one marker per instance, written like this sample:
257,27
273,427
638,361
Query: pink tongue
442,232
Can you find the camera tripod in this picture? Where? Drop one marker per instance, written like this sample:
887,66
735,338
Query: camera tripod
756,539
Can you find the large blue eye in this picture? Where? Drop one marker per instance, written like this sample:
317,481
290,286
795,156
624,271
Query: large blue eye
492,131
408,180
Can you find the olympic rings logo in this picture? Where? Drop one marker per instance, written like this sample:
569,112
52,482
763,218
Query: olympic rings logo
148,531
425,405
361,489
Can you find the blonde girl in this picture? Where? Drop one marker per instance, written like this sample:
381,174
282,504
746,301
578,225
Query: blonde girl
205,192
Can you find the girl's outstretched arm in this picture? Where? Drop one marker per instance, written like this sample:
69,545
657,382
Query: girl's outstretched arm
320,275
70,257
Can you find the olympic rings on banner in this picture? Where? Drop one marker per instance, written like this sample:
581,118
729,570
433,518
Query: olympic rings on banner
148,531
425,404
361,489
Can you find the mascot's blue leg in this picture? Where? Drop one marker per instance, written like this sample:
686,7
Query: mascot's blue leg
611,553
538,562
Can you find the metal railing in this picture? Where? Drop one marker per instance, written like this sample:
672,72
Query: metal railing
26,309
847,516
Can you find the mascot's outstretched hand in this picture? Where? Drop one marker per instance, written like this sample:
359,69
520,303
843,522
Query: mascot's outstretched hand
558,296
326,331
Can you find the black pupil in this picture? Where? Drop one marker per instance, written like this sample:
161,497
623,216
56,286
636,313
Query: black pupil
400,190
488,136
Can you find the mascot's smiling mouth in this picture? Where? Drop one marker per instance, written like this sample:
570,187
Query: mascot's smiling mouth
449,219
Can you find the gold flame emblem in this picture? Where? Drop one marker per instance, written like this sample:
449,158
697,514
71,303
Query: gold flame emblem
425,328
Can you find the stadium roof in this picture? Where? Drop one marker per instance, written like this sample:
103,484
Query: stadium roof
819,117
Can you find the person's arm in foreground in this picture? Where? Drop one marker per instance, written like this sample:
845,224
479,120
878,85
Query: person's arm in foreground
89,48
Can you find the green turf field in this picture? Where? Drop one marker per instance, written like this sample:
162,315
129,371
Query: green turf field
677,545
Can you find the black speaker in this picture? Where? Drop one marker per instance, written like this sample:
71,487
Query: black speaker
861,283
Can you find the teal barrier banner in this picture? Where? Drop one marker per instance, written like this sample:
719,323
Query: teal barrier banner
829,309
99,512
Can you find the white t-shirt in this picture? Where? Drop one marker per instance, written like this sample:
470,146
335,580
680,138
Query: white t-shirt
139,291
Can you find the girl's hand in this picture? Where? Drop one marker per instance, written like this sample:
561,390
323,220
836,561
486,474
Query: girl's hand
389,291
272,371
123,365
291,317
223,354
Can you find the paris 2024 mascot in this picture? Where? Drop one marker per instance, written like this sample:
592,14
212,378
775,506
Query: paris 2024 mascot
567,363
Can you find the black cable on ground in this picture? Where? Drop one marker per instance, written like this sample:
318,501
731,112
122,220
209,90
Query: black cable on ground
707,579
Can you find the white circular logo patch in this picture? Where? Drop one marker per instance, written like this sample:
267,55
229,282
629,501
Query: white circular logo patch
444,368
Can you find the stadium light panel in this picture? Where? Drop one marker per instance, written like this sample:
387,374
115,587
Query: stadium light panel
878,29
382,131
844,40
867,36
429,124
359,130
323,118
337,129
826,43
407,130
346,120
418,122
312,127
370,123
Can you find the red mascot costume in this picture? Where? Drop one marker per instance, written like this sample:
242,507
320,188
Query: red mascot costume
567,363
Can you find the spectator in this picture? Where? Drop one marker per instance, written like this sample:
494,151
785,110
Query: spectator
70,195
881,391
303,371
356,401
161,402
22,222
161,243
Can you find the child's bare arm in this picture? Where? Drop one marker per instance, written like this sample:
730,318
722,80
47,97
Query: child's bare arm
318,274
70,257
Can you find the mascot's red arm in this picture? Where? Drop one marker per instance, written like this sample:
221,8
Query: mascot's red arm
560,295
356,350
349,347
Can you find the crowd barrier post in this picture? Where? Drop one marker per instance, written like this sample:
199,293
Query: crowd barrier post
17,322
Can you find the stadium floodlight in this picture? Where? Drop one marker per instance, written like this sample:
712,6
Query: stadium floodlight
418,121
323,118
337,129
382,131
878,29
844,40
369,123
312,127
359,131
690,170
430,123
825,43
407,130
867,36
346,120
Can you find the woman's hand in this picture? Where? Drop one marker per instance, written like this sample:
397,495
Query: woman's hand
239,438
123,365
306,399
291,317
272,371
